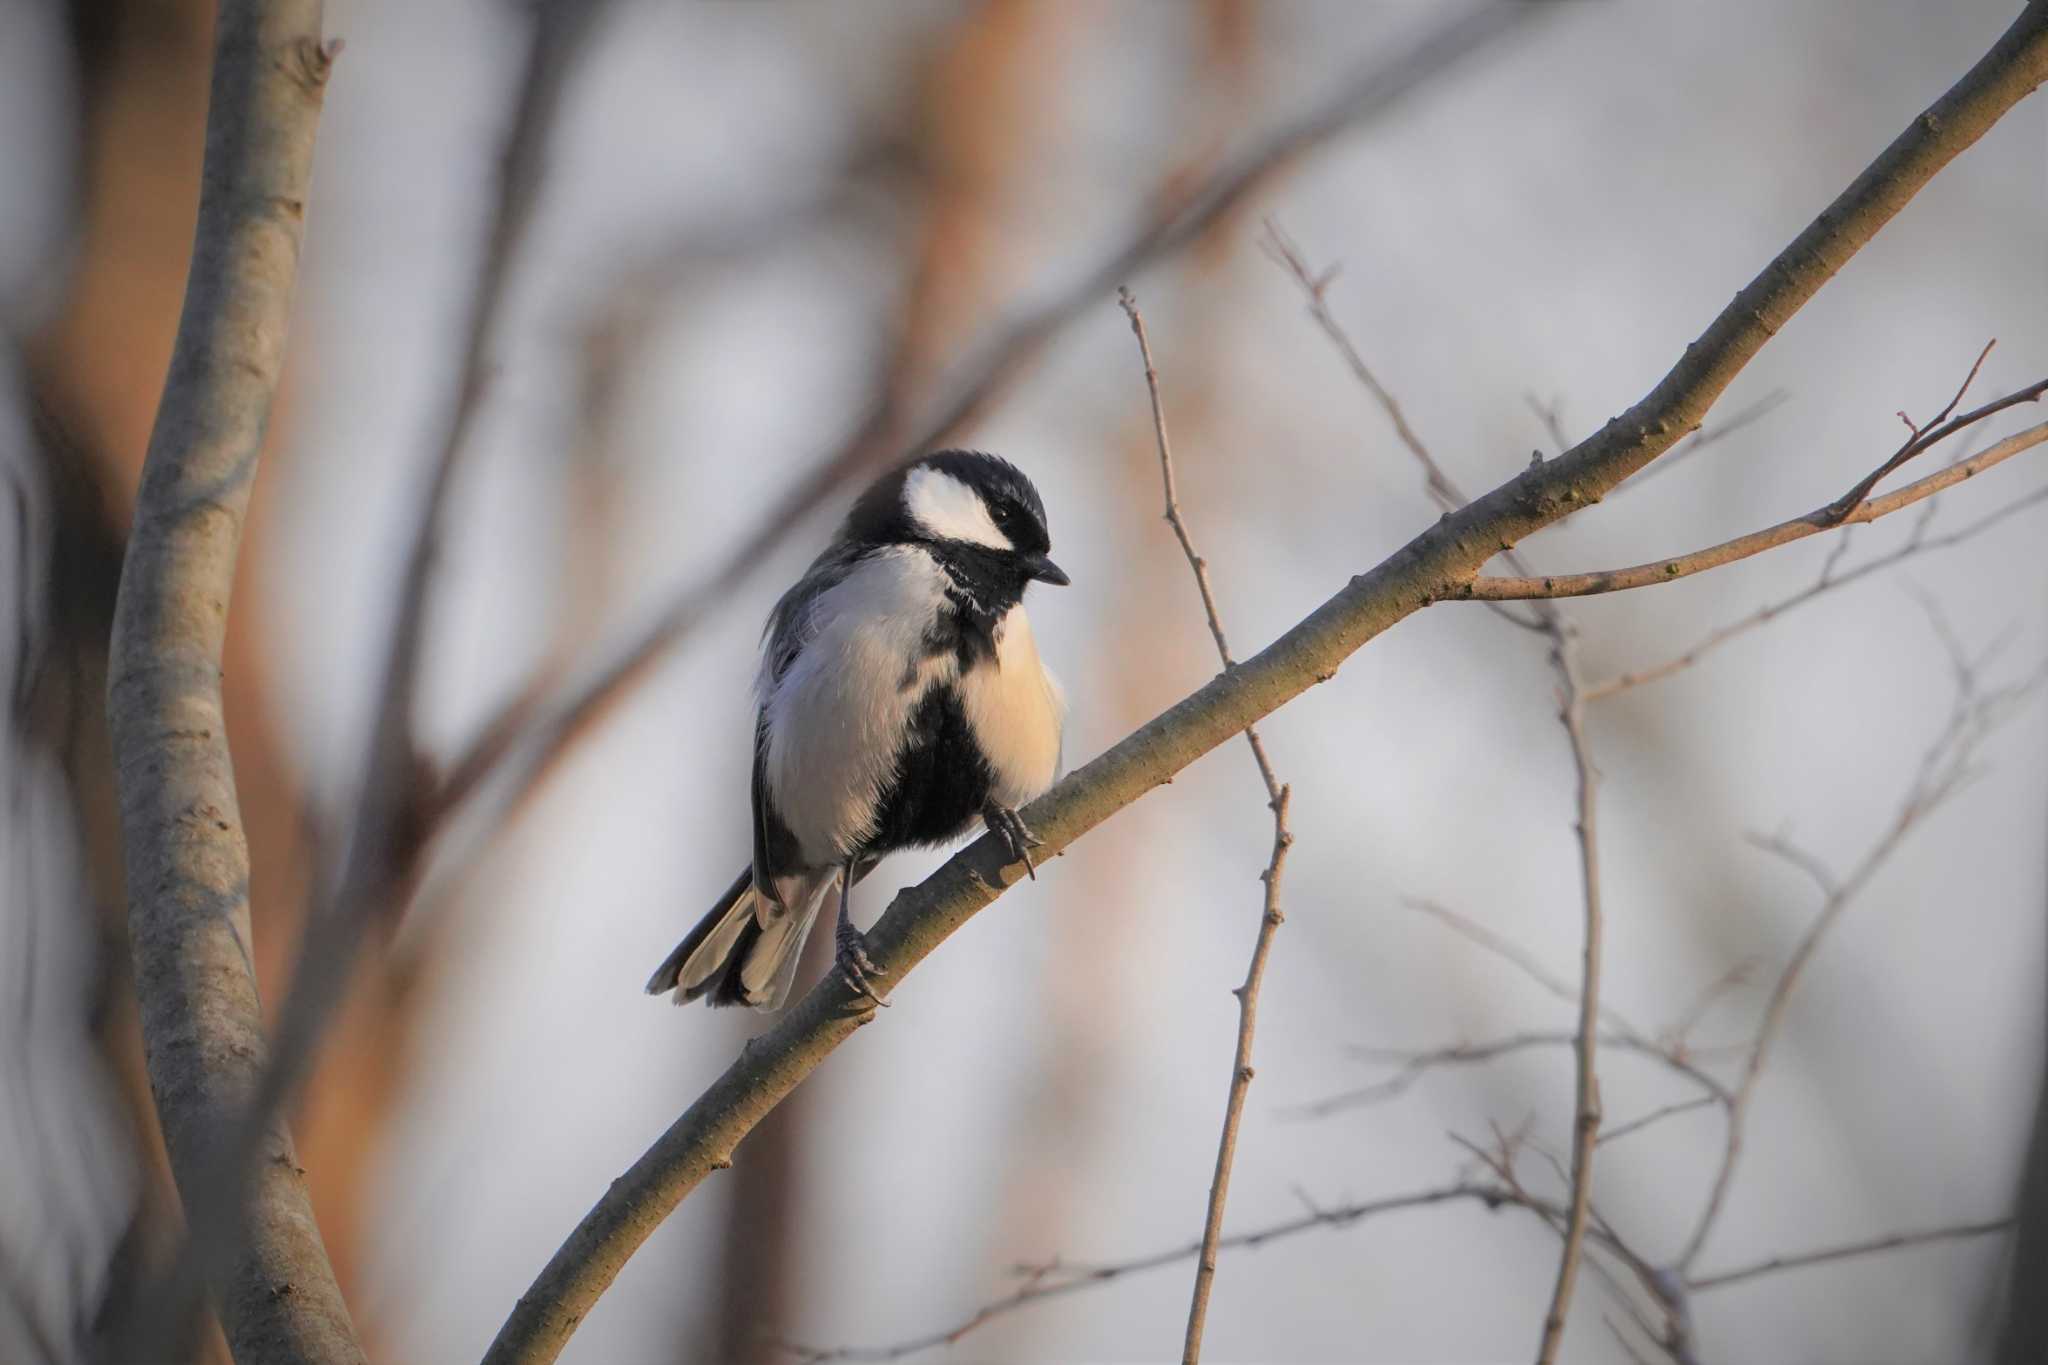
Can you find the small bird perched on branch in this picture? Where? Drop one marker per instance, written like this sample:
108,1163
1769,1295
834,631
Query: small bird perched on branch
901,698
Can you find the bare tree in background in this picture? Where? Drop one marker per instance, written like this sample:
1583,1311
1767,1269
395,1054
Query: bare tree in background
226,1071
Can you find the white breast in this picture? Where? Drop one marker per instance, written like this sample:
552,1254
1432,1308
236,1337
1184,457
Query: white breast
836,718
1015,707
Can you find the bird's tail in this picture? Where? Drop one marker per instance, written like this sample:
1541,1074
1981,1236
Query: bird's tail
735,957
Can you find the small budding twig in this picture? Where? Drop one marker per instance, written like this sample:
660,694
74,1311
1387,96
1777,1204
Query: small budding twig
1925,434
1270,916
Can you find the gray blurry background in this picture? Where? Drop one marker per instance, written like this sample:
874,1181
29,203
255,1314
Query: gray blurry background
742,204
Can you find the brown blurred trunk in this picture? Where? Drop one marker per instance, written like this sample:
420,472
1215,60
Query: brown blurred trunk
96,371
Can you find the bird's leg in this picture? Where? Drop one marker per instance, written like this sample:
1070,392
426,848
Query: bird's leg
1017,835
852,958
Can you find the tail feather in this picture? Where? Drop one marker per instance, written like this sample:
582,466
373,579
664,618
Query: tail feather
733,957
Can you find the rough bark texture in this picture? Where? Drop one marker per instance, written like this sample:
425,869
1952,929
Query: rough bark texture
1435,566
186,856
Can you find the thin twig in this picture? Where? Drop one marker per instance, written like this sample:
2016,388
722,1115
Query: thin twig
1270,916
1689,1018
1413,1065
1058,1278
1944,767
1658,1115
1930,433
1918,543
1520,957
1527,587
1315,286
1055,1279
1628,1347
1586,1093
1891,1241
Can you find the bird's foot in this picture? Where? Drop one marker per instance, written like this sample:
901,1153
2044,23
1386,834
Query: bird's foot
853,962
1015,834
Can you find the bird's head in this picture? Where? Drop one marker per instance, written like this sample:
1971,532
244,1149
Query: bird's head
967,508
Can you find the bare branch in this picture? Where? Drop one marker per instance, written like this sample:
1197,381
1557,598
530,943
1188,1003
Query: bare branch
1413,1064
1928,434
1918,543
1270,917
186,855
1531,588
1956,1232
1738,974
1058,1278
1658,1115
1315,288
1432,567
1442,489
1055,1279
1628,1347
1520,957
1943,767
1586,1095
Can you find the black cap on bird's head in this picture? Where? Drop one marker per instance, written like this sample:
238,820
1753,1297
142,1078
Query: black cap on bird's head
962,501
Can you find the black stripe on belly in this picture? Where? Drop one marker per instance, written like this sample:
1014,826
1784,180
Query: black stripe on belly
941,780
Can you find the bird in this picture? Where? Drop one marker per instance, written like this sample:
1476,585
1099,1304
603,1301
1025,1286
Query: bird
900,699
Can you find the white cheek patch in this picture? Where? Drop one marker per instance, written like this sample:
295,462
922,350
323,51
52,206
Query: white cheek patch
948,509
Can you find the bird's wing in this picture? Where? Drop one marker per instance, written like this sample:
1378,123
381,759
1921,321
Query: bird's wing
790,626
777,859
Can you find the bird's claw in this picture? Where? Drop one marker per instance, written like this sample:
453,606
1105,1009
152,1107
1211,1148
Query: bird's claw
1015,834
855,966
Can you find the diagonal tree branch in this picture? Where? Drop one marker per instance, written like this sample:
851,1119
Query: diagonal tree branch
1433,567
187,858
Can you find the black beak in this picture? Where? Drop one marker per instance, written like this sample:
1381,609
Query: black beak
1045,571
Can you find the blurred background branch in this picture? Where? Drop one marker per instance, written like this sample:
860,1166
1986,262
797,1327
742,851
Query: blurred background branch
187,858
